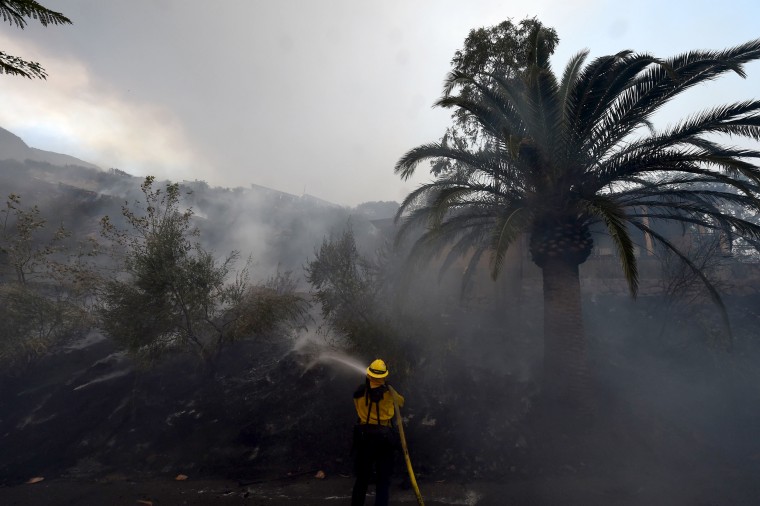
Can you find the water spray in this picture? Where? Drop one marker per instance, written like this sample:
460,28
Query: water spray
307,345
342,359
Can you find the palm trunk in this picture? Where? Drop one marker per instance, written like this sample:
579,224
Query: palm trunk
567,386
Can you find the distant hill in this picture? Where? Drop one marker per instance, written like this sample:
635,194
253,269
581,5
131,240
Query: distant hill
12,147
280,230
22,166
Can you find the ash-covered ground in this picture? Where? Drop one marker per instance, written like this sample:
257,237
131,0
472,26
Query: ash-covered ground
676,425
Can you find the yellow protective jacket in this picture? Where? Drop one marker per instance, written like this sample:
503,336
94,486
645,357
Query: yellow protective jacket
371,402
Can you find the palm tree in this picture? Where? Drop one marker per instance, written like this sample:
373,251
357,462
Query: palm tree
556,156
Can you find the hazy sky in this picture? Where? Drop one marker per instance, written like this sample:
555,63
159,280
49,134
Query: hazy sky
321,96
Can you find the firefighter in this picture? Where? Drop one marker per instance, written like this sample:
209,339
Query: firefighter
375,439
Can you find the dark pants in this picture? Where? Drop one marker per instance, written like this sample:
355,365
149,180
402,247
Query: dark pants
374,448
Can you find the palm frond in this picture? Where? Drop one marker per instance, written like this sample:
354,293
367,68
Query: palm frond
466,244
663,82
637,160
508,227
407,164
471,269
13,65
16,13
615,219
569,79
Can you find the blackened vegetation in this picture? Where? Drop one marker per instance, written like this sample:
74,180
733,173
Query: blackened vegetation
95,414
677,417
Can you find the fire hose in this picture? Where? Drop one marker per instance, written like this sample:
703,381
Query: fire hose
400,424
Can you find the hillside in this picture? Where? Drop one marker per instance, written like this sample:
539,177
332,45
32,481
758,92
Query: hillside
279,230
12,147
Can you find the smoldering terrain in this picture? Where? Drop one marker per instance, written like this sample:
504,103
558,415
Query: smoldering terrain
677,425
677,393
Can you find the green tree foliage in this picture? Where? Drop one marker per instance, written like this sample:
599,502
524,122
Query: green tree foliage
560,154
351,291
501,50
345,285
22,243
175,295
39,306
270,307
32,323
17,12
504,49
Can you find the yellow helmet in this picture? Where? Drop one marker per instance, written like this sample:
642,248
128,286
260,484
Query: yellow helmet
377,369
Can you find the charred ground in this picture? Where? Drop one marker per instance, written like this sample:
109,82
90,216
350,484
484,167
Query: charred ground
676,422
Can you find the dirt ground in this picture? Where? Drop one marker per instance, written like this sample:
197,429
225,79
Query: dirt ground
298,491
335,490
284,492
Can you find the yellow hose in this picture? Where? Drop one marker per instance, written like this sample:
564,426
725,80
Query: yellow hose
400,424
